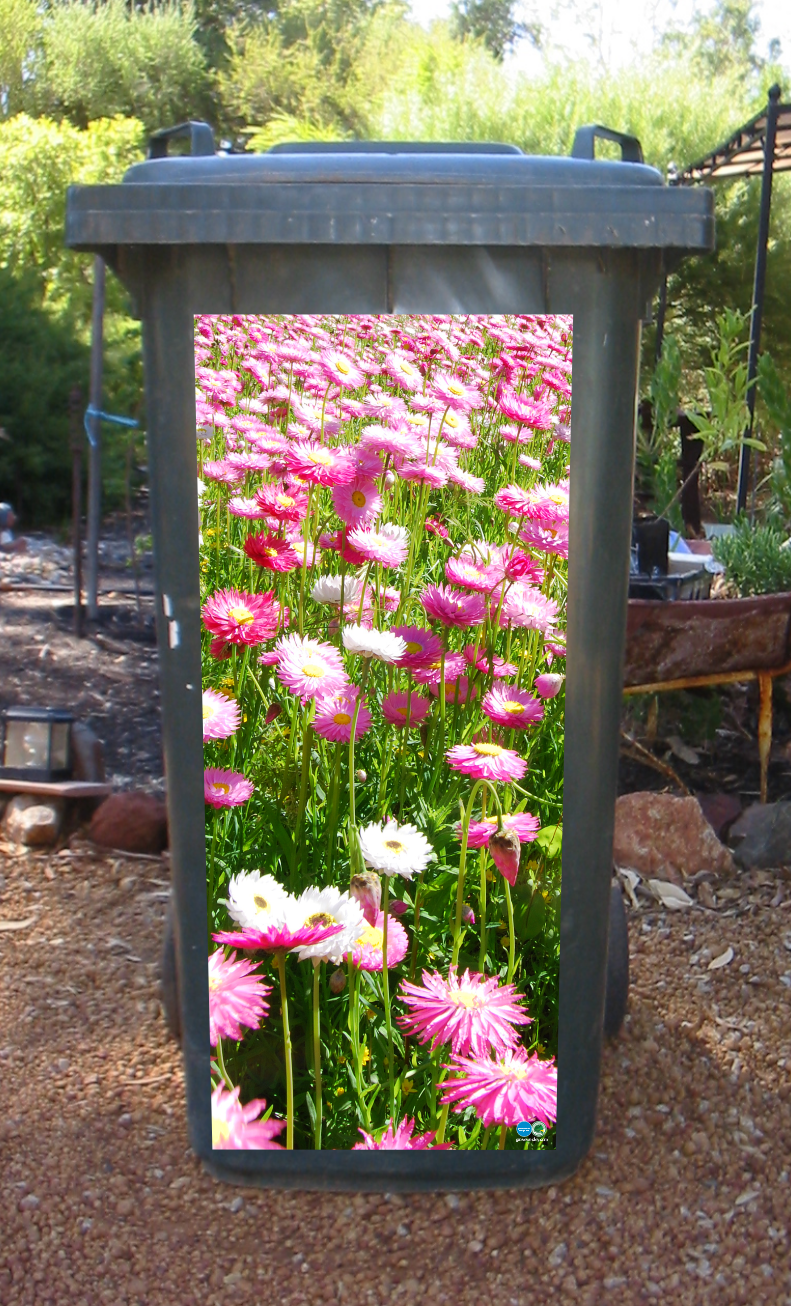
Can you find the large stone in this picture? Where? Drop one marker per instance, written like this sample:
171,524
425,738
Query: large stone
87,754
658,834
720,810
33,821
762,836
131,822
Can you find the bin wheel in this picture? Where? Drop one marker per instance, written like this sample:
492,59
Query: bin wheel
617,987
168,977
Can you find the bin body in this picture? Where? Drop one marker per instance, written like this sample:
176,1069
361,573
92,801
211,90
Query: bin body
384,233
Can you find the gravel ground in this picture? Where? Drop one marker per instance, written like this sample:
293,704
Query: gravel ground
684,1198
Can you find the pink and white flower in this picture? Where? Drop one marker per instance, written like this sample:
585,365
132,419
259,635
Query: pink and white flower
241,618
334,715
523,824
512,707
401,1139
221,716
237,996
388,545
505,1090
225,788
235,1127
487,761
310,668
367,949
271,552
405,710
422,645
474,1014
548,684
357,502
453,608
317,464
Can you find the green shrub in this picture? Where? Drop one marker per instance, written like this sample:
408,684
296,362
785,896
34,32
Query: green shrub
754,559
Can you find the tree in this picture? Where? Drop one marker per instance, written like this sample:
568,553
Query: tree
722,41
493,22
20,40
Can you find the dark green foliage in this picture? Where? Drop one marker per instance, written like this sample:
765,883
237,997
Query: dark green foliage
493,22
755,559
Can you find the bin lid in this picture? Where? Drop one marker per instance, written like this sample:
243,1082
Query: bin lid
373,195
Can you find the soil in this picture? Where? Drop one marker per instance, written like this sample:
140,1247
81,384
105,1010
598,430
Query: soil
684,1197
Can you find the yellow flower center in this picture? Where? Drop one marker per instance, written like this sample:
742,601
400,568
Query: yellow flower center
221,789
464,998
413,647
556,496
513,707
208,710
358,499
242,615
320,918
395,845
342,367
342,719
401,711
270,552
452,420
455,388
220,1132
371,937
321,456
313,669
260,903
285,500
488,750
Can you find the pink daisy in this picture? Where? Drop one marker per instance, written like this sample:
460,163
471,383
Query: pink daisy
396,708
498,667
435,527
456,691
249,462
512,707
527,608
426,473
237,996
422,645
250,508
402,1139
472,574
388,546
472,484
474,1014
555,540
334,716
310,668
241,618
270,552
479,832
550,505
430,673
523,409
225,788
505,1091
357,502
220,715
534,464
280,935
455,393
319,465
235,1127
284,505
367,948
520,566
513,500
341,369
381,439
403,372
452,608
222,471
484,761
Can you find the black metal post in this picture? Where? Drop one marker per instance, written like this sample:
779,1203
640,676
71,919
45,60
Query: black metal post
77,437
759,286
95,451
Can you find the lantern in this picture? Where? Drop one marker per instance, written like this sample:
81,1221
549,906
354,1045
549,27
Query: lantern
36,743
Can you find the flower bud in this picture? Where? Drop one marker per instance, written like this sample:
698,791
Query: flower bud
337,981
548,684
361,776
505,849
397,907
367,890
467,915
390,480
272,713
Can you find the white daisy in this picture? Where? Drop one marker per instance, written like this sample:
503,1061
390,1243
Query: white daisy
395,849
328,906
255,900
328,589
381,644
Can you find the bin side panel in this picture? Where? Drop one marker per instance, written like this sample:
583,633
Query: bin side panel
605,294
288,279
168,349
464,279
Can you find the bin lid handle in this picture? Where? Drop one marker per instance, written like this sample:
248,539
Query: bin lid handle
200,134
584,147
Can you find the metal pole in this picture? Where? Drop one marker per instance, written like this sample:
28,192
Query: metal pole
759,286
660,320
77,437
95,452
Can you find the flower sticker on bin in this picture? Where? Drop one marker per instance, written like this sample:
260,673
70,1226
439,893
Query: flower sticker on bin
384,561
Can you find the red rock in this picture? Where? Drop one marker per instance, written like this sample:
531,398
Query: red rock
131,822
654,830
720,810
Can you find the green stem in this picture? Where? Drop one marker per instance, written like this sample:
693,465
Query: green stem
443,1124
304,563
307,744
511,937
386,996
215,829
280,962
317,1054
354,854
479,784
482,897
332,828
416,930
487,1133
503,1132
221,1065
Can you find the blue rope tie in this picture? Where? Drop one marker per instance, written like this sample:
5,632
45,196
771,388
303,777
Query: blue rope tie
91,412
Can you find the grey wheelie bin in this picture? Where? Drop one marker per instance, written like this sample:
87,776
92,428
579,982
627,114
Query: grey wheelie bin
380,229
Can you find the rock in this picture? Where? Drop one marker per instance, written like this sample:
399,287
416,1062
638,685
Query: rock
30,821
654,831
131,822
720,810
764,836
87,754
706,896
